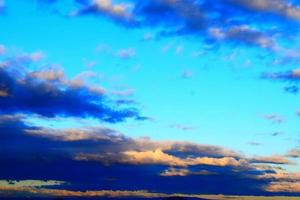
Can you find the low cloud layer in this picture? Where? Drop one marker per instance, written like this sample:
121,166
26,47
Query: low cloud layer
106,156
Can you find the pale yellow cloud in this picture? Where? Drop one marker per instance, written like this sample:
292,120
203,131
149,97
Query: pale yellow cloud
120,10
3,93
284,187
274,159
159,157
184,172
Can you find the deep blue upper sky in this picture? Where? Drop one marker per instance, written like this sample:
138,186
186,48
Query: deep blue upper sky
177,92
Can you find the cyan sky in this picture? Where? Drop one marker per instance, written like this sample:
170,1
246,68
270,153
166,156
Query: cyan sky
218,79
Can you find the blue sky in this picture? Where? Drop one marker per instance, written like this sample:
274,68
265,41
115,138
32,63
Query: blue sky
222,74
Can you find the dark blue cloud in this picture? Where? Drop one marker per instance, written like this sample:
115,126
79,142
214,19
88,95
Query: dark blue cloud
29,152
23,92
292,89
292,76
235,21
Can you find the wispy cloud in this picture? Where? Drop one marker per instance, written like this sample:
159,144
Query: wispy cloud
126,53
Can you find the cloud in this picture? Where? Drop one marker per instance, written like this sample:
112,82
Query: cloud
277,7
244,34
123,93
182,127
275,159
184,172
126,53
49,93
293,153
217,22
212,21
92,134
148,36
292,89
30,183
101,154
2,47
158,157
119,12
36,56
291,76
187,74
254,143
283,187
274,118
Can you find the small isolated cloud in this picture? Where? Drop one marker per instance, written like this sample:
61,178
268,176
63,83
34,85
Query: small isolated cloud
126,53
148,36
184,172
187,74
2,48
293,153
37,56
123,93
254,143
277,133
274,118
179,49
292,89
182,127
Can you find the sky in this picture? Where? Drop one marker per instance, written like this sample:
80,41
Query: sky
149,97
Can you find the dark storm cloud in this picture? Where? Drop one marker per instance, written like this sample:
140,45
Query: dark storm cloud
49,93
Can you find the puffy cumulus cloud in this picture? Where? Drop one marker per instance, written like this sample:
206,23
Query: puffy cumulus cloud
49,93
